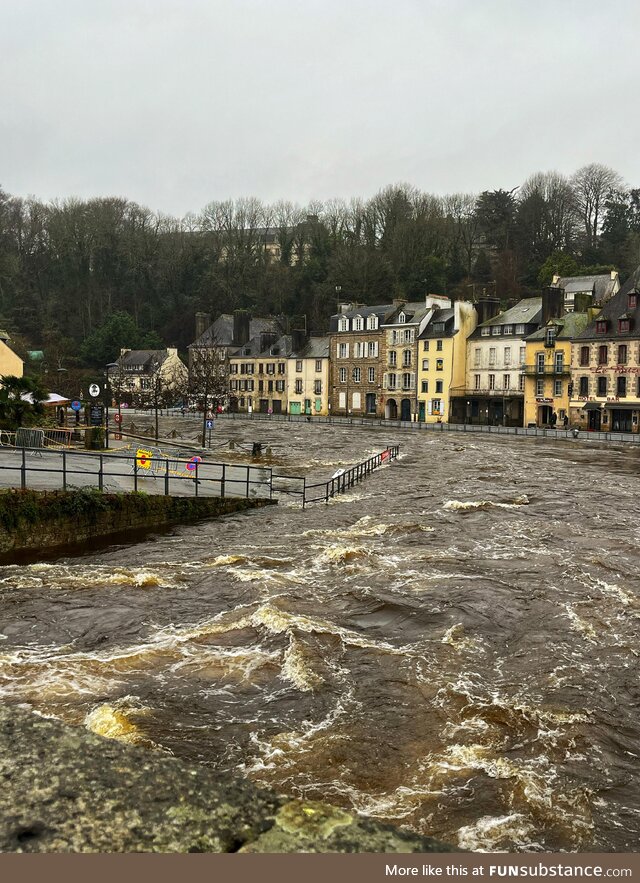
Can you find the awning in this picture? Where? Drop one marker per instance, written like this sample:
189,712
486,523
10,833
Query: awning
591,406
622,406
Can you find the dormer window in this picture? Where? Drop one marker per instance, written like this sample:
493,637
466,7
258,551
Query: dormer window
550,336
496,330
372,323
633,300
507,329
624,325
343,324
358,323
485,332
601,326
438,328
402,318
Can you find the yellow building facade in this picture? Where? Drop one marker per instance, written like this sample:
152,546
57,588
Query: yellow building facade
442,356
11,365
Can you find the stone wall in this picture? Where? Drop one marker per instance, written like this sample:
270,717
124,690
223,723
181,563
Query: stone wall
43,520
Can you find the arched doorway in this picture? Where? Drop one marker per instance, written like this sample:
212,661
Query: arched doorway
405,410
391,410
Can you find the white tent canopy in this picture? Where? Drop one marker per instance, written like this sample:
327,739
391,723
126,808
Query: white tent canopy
52,399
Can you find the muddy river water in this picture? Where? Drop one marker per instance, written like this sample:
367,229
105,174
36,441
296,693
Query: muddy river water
453,645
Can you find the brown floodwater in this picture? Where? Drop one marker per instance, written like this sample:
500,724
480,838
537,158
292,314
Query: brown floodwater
453,645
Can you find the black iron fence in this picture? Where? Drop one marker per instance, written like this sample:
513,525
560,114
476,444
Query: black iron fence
43,469
340,482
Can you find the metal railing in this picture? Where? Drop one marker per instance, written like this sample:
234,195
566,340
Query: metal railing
340,482
45,469
547,370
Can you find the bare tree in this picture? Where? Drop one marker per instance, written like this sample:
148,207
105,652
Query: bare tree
592,185
208,381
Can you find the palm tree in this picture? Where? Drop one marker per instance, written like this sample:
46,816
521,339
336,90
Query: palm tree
21,401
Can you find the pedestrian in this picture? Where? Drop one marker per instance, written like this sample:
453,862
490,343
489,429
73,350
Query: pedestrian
554,420
565,421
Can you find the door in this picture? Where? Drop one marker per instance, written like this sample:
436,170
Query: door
371,403
391,410
307,406
421,410
595,420
264,406
405,410
544,415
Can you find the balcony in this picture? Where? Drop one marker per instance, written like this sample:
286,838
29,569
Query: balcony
547,370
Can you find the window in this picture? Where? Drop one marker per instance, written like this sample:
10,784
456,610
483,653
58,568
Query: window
523,353
372,349
496,329
317,387
439,345
425,346
507,355
407,336
282,368
540,388
357,375
584,355
633,300
425,386
584,387
261,386
438,328
372,323
492,381
623,325
279,386
521,382
550,336
439,386
372,375
271,386
356,401
358,323
520,329
425,364
476,381
343,375
299,366
251,385
622,354
343,324
557,388
492,355
506,381
485,332
298,387
507,329
540,362
406,358
343,350
621,387
402,318
359,350
601,326
261,368
391,381
407,381
559,363
393,358
476,357
602,386
603,354
233,368
439,364
318,365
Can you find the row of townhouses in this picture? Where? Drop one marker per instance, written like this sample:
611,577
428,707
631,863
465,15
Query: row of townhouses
569,356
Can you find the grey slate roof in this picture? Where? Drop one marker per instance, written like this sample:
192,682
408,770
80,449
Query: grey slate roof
601,286
253,348
220,333
383,311
316,348
569,326
525,312
446,316
614,309
150,360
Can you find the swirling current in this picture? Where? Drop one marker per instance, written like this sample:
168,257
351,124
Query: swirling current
452,645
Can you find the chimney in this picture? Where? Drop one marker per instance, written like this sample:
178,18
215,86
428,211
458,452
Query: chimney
267,339
172,350
582,301
124,351
555,279
241,326
437,300
614,275
298,339
203,320
552,304
487,308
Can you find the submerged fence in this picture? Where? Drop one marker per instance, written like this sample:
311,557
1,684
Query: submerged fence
44,469
340,482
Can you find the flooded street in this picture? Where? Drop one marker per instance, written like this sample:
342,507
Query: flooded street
453,645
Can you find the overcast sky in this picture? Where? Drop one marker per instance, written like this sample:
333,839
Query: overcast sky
174,104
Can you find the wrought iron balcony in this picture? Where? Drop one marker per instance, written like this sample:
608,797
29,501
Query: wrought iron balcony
547,370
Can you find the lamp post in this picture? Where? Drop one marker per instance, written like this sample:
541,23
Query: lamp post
107,397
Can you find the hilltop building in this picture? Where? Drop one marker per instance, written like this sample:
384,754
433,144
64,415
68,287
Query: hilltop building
600,288
139,373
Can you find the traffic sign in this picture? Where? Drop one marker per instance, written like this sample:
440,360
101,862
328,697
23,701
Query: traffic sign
76,406
117,436
94,390
209,424
193,462
117,418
